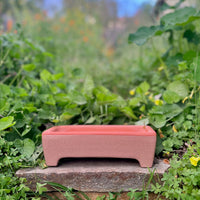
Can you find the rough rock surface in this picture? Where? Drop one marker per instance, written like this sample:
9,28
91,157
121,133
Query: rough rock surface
95,175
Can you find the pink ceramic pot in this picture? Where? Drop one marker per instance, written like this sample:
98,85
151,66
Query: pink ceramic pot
105,141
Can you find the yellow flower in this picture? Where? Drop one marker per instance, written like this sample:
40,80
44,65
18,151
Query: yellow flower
191,94
132,92
184,99
174,129
160,68
194,161
150,96
158,102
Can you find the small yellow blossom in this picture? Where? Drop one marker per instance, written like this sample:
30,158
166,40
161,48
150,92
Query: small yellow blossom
132,92
174,129
166,154
55,120
158,102
147,93
194,161
191,95
184,99
150,96
160,68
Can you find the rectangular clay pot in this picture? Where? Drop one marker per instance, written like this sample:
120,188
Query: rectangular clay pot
99,141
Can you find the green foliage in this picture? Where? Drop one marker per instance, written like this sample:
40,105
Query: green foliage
6,122
68,193
13,188
165,95
33,98
177,118
182,179
172,21
12,159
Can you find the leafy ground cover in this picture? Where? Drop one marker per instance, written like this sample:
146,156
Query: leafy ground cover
39,90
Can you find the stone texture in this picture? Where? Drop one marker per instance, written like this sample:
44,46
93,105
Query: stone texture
95,175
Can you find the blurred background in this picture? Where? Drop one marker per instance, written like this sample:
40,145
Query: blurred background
88,36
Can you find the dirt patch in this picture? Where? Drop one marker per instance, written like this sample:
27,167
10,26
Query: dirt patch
93,196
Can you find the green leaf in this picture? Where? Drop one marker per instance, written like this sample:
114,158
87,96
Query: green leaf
180,17
30,107
159,145
28,128
4,105
19,144
38,151
19,119
45,75
171,97
77,97
187,125
4,90
90,120
6,122
143,88
128,112
143,34
142,122
189,56
40,188
134,102
165,111
104,96
88,86
28,67
48,54
191,36
106,99
56,77
158,120
77,72
61,98
69,113
57,185
45,114
119,102
47,99
171,111
28,148
21,92
196,67
180,88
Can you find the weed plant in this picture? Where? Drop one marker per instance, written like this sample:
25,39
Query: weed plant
177,115
39,90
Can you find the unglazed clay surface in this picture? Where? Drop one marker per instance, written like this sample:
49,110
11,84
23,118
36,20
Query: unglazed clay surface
99,141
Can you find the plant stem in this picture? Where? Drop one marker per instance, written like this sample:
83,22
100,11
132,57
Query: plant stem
4,58
15,78
17,131
7,77
161,60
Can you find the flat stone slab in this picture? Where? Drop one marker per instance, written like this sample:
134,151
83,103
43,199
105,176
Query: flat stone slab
95,175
